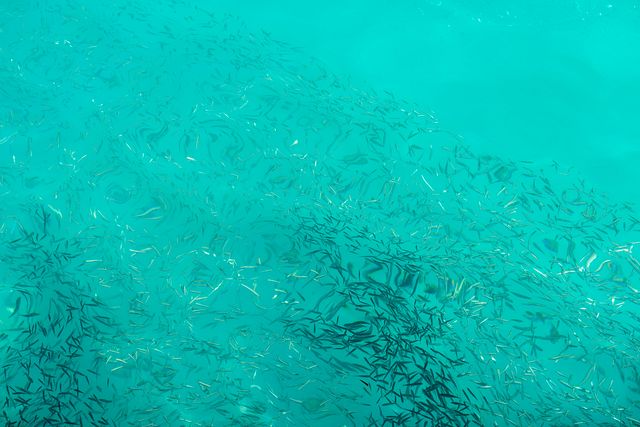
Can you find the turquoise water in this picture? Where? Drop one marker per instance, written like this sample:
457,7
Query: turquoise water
548,80
284,215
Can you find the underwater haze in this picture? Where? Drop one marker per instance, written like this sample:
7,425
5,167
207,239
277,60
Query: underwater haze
546,80
283,214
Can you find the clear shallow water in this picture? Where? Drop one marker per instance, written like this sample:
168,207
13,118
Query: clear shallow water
201,224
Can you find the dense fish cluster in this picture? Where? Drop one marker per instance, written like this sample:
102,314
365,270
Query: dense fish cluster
200,226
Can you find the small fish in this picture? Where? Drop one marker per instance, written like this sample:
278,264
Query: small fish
17,307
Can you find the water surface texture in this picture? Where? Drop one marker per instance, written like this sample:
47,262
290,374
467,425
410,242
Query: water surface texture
212,216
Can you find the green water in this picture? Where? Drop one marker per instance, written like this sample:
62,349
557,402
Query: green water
285,214
545,80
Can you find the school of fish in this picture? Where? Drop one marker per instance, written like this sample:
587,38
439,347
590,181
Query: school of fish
201,226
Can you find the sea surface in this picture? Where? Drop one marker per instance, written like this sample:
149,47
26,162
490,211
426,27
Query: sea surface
419,213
